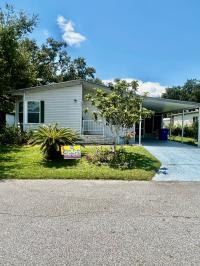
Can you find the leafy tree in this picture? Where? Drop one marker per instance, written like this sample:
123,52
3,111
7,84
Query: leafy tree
53,64
24,63
120,107
16,70
190,91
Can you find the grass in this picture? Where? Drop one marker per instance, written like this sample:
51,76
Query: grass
26,162
186,140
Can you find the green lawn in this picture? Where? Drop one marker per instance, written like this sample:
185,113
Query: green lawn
186,140
27,163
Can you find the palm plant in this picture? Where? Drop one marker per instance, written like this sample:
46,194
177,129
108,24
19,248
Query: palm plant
51,137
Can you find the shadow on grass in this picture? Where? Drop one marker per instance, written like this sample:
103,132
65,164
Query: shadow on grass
6,157
8,149
59,163
136,161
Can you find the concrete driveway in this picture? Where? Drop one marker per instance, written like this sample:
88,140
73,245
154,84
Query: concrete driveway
180,162
99,223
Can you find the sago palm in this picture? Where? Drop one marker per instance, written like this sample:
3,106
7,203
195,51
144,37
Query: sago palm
51,137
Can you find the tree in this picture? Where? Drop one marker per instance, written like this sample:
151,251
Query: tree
172,93
53,64
16,70
190,91
24,63
120,107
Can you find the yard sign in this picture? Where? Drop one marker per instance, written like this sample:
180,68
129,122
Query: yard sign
71,152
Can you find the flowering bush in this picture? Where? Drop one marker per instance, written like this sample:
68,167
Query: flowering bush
116,159
128,136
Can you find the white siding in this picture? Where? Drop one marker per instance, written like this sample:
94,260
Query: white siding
10,119
188,118
177,119
62,106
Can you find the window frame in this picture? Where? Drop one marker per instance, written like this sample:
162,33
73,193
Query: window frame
39,113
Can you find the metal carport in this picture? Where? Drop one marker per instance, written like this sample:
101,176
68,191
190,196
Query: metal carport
168,106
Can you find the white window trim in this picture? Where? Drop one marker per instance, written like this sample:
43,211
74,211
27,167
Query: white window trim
34,112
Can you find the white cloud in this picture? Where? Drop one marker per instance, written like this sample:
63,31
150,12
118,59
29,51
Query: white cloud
71,37
154,89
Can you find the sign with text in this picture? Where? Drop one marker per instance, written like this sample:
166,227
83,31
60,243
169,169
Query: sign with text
71,152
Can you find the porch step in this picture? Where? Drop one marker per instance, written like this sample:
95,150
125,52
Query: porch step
96,139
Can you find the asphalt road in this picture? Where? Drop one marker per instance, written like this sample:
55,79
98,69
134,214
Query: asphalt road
99,223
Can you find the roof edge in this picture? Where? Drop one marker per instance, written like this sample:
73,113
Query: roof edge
60,84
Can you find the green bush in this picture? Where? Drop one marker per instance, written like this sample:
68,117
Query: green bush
116,159
176,130
195,130
12,135
190,131
50,138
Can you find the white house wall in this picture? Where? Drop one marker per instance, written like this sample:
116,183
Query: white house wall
188,118
177,119
62,106
10,119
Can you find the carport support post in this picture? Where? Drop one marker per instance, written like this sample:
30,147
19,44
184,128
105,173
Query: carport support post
199,130
182,131
170,126
140,125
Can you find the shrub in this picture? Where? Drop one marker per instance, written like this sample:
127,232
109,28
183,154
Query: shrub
176,130
190,131
13,135
195,130
128,136
116,159
50,138
100,156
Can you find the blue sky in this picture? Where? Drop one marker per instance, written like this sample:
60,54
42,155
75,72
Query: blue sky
150,40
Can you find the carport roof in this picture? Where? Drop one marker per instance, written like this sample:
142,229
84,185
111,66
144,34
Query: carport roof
160,105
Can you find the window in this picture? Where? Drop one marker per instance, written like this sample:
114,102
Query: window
33,112
195,119
21,108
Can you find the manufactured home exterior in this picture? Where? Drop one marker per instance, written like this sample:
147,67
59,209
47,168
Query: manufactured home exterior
64,103
60,104
189,118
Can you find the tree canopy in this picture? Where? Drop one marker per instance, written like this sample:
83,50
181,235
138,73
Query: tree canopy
25,63
190,91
